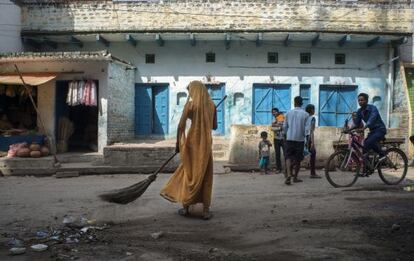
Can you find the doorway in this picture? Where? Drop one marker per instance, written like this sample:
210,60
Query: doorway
151,109
84,137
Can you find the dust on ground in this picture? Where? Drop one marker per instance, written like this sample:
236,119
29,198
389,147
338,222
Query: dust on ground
256,217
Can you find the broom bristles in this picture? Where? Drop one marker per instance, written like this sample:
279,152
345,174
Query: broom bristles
128,194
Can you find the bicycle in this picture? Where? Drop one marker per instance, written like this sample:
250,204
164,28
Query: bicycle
343,167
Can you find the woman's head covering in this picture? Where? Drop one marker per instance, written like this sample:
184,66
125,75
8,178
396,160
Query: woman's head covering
200,107
198,93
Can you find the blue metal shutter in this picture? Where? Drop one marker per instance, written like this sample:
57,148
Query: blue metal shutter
143,109
281,97
268,96
335,104
305,94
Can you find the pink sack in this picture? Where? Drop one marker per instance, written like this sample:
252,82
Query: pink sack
14,148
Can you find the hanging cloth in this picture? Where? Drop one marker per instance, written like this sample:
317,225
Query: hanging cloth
86,93
81,87
69,95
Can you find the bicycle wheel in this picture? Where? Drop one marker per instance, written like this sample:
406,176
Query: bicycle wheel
394,169
341,169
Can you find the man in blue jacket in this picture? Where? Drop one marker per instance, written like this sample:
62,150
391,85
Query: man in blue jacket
372,119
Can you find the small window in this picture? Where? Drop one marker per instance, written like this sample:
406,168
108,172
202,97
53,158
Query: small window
305,58
210,57
238,99
181,98
150,58
272,58
339,58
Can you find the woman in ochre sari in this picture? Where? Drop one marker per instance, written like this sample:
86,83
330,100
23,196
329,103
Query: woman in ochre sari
192,182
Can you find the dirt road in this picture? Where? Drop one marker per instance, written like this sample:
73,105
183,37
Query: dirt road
256,217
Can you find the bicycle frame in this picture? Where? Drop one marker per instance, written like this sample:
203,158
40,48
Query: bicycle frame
355,154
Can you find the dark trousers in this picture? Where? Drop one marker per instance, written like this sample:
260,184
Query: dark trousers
372,142
278,149
312,161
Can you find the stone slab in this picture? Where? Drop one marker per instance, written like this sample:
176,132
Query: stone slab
66,174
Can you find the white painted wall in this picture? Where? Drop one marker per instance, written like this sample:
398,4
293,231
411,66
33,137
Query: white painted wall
177,63
10,25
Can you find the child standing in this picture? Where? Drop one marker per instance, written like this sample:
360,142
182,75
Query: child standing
264,152
310,139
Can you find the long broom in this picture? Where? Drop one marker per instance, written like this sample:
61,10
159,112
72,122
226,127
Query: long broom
131,193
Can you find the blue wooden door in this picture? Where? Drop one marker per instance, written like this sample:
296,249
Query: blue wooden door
160,105
217,92
266,97
335,104
143,109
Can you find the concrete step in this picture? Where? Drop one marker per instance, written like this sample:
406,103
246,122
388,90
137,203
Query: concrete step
219,154
18,163
80,157
220,146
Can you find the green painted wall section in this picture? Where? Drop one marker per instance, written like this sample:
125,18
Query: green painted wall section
410,86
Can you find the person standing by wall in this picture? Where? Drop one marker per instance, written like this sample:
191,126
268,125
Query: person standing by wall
264,152
277,127
310,139
294,129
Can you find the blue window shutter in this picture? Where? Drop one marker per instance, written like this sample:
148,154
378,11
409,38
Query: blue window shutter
268,96
335,104
305,94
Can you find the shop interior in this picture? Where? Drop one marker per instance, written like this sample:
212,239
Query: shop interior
18,118
77,116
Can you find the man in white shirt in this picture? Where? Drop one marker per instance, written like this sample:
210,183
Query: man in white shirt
294,128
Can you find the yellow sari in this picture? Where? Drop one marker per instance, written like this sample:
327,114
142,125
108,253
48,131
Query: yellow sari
192,182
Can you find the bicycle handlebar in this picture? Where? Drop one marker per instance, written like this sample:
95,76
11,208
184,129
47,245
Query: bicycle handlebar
352,130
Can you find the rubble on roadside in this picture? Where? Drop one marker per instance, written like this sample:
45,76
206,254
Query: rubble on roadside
60,240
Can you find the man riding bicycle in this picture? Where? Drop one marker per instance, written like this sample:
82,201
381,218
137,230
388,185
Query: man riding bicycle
370,115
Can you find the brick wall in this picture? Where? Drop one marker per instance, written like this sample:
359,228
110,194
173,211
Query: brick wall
233,15
121,106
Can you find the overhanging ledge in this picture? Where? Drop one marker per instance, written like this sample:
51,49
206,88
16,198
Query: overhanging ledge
33,79
103,55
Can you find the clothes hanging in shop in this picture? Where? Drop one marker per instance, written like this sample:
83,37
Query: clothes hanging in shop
82,93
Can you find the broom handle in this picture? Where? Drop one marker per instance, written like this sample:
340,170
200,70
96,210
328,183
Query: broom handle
175,153
165,163
222,100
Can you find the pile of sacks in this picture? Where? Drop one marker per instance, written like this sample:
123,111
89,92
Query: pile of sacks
25,150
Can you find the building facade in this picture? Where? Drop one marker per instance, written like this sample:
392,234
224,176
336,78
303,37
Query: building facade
259,53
